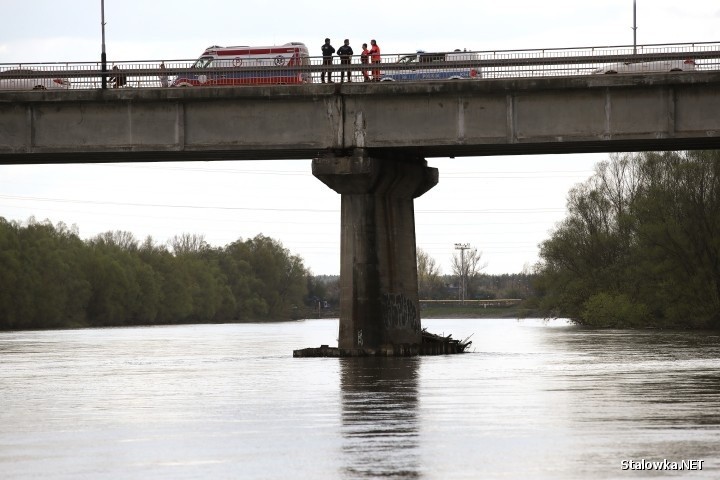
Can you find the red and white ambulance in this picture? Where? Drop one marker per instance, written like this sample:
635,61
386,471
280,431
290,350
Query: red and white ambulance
244,65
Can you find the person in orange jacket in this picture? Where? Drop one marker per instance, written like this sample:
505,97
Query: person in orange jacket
375,59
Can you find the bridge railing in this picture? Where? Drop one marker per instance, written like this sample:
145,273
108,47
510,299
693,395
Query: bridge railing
586,60
475,65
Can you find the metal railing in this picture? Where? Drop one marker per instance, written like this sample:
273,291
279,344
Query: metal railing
475,65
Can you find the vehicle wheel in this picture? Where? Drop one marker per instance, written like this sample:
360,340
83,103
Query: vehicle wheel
387,79
39,87
676,70
610,72
184,85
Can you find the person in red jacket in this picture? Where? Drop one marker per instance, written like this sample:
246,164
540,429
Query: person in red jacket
375,59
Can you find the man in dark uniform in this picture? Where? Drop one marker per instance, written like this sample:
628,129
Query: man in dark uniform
345,52
327,51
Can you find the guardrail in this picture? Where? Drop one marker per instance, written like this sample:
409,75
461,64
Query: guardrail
471,64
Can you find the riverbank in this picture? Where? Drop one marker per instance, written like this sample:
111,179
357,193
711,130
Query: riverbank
475,311
509,309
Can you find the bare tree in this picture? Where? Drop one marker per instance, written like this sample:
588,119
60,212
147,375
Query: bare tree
188,243
467,265
118,238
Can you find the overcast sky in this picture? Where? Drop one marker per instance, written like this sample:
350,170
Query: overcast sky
504,206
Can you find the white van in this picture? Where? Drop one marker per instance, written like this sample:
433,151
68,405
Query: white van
233,66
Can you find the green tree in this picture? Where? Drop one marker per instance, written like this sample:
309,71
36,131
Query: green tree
50,278
430,284
640,244
281,276
115,291
41,279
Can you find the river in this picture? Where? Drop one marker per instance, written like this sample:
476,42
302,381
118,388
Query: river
533,400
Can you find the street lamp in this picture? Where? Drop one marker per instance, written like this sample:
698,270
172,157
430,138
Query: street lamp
103,57
634,27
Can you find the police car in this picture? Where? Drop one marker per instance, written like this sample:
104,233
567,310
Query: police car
428,66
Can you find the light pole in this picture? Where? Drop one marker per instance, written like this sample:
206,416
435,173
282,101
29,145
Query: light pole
634,27
103,57
462,247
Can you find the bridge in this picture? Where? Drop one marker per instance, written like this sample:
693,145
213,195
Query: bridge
369,143
424,119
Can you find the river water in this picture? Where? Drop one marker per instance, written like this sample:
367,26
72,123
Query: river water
534,400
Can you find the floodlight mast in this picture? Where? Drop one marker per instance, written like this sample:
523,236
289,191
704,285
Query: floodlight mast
462,247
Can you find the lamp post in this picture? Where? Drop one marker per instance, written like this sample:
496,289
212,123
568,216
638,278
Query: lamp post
103,57
634,27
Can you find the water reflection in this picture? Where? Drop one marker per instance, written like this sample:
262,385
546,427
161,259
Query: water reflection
655,392
647,369
379,417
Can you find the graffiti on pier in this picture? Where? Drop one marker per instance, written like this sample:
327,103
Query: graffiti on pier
399,312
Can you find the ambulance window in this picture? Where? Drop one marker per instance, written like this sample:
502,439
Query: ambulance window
407,59
203,62
432,57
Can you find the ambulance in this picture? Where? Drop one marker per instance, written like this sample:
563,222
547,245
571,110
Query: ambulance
245,65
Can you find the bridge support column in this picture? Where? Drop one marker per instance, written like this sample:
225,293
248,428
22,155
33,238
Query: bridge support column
379,309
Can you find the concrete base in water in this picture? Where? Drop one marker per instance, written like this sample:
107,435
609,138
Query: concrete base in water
379,306
431,345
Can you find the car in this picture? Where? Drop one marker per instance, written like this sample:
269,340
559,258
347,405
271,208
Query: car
648,67
416,67
25,79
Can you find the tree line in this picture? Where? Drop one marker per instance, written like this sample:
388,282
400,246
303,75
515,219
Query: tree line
50,278
434,285
640,245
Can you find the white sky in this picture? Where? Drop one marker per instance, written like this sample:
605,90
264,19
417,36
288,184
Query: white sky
505,205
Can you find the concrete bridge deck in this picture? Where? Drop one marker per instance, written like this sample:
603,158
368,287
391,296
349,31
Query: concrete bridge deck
573,114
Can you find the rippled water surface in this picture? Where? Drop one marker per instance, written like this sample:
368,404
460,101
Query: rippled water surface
535,399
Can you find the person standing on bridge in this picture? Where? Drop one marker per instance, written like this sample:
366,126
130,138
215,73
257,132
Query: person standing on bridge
119,79
345,52
375,60
327,51
163,75
364,56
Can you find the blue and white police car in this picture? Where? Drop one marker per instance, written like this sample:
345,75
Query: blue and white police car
422,65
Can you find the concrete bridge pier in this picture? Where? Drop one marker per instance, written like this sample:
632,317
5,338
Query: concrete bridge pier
379,308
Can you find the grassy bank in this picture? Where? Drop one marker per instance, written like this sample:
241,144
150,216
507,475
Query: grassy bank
442,310
475,311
